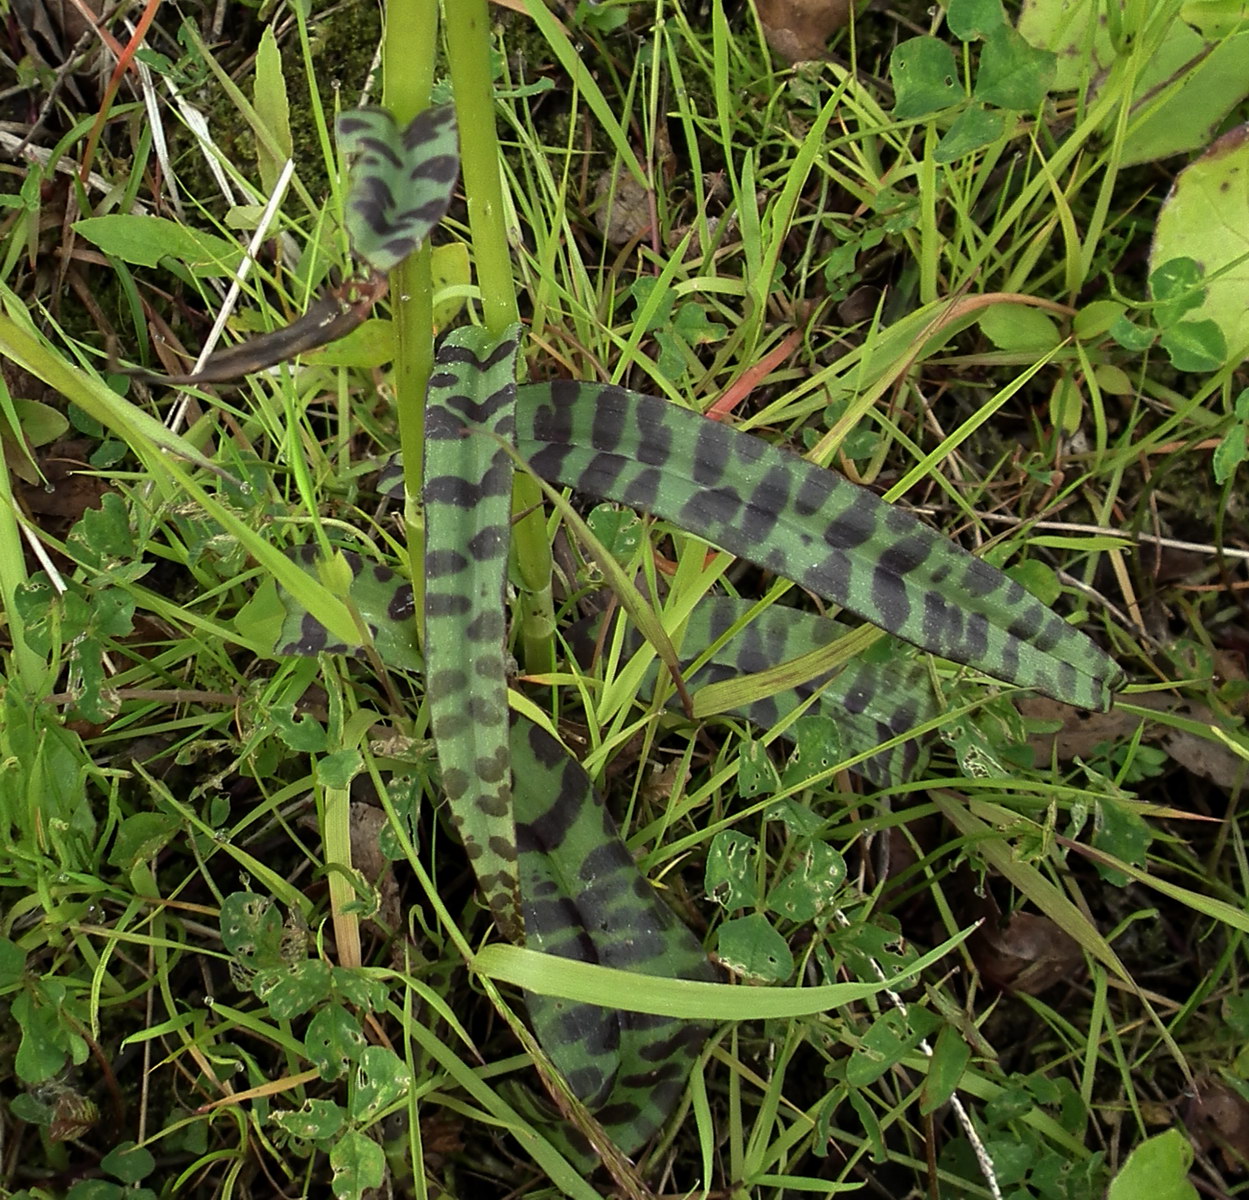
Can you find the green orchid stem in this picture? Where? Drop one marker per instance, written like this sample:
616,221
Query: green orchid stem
408,71
468,52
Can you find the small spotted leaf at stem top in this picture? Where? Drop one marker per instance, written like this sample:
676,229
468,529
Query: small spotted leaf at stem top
402,181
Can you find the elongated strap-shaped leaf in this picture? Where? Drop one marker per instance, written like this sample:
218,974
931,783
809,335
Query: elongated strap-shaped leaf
871,701
401,182
809,525
584,899
467,492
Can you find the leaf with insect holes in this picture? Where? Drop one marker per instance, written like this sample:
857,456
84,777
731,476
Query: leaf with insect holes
402,180
358,1165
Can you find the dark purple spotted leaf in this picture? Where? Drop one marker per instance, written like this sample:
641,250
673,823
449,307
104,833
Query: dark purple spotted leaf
467,490
810,525
584,899
402,181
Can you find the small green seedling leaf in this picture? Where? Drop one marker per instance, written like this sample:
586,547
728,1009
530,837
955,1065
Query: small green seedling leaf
1038,577
140,836
1066,404
925,78
756,774
333,1041
1019,328
46,1043
104,1189
358,989
1093,321
1177,286
401,183
817,747
252,930
971,19
731,876
1013,74
358,1165
40,423
145,240
891,1037
973,129
1233,449
103,535
318,1120
12,962
1156,1170
382,1077
749,946
1130,335
129,1163
808,893
949,1060
1195,346
618,529
291,992
1122,831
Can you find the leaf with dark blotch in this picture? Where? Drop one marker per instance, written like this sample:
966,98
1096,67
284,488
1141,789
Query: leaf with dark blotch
467,489
584,899
810,525
401,182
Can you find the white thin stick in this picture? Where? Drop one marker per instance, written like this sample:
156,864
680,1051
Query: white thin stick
20,148
983,1159
197,123
159,142
236,287
1127,535
57,581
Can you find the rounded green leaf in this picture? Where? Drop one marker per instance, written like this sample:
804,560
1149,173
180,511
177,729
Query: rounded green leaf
1156,1170
731,876
333,1041
1206,220
925,78
970,19
251,930
129,1163
1013,74
750,947
809,891
382,1077
358,1164
317,1120
973,129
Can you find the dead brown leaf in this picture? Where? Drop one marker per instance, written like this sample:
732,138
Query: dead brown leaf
798,30
1218,1118
1079,733
1026,953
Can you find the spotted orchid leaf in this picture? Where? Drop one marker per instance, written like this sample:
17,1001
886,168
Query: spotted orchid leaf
584,899
467,490
810,525
547,857
872,701
384,601
402,181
